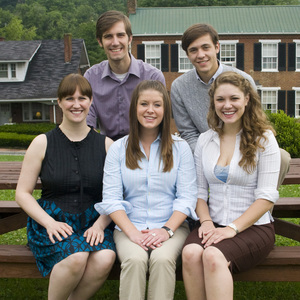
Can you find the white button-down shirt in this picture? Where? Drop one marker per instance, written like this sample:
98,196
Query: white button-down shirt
148,195
228,201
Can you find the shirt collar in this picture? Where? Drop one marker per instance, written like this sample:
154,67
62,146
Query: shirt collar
133,68
219,71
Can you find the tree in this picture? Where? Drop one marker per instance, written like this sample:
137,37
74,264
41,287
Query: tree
15,31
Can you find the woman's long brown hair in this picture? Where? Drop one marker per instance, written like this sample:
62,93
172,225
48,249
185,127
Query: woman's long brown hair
133,151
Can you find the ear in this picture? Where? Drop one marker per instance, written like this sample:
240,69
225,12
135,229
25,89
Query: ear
99,42
58,102
217,47
247,98
130,40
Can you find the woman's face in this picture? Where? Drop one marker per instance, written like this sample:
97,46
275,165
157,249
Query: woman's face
230,103
75,107
150,109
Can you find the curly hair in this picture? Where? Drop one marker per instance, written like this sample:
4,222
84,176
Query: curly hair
254,120
133,151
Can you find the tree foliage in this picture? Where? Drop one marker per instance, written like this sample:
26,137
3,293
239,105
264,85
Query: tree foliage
50,19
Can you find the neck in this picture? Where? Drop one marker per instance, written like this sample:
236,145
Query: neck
120,66
231,129
148,136
206,76
74,132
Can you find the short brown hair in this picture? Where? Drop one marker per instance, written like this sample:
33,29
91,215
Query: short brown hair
195,31
133,151
70,83
108,19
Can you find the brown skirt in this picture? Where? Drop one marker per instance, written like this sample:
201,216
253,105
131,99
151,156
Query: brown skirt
244,251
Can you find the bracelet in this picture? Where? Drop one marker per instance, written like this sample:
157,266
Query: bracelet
206,221
233,226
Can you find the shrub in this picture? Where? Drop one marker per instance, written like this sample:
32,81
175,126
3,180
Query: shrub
288,132
15,140
28,128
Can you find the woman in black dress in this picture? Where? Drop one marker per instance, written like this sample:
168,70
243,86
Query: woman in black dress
65,233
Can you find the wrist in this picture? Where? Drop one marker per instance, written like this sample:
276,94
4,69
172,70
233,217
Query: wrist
233,226
206,220
169,231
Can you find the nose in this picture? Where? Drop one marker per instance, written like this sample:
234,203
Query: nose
200,53
76,103
227,104
115,40
150,109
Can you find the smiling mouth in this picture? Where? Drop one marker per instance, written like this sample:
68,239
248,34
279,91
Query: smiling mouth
228,113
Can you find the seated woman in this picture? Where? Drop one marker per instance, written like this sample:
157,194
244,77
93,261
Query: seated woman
65,233
149,189
237,165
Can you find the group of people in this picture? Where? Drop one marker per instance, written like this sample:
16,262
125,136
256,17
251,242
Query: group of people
128,191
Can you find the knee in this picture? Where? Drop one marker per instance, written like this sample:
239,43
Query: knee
213,259
103,259
76,262
192,254
134,262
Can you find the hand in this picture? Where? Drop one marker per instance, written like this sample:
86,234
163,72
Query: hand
58,229
138,237
155,237
204,228
94,235
216,235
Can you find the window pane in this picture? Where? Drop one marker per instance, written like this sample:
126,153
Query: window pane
269,56
184,62
269,101
3,71
228,54
297,56
13,70
297,104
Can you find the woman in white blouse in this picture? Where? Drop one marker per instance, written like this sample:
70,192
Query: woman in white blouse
237,165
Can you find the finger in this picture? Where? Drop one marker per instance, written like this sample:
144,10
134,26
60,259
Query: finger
51,239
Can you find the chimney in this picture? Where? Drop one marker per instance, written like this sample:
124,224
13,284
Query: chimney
2,39
68,47
131,6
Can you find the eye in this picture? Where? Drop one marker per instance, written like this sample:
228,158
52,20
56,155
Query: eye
157,105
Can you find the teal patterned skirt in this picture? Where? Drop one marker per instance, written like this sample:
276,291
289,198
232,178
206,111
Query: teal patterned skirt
48,254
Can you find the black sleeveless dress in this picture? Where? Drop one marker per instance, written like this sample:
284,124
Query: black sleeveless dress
71,176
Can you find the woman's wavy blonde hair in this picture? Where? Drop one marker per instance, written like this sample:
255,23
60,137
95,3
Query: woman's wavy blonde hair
254,120
133,151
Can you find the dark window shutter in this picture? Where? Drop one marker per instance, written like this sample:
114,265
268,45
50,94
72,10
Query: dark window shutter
218,55
292,57
141,52
282,57
257,57
291,103
281,100
174,57
240,56
164,57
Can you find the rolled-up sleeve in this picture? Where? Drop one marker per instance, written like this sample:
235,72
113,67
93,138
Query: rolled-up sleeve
268,169
112,182
186,189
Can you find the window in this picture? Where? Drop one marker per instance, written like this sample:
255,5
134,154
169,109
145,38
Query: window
3,70
184,63
8,71
228,53
297,104
269,99
34,111
153,53
269,55
298,56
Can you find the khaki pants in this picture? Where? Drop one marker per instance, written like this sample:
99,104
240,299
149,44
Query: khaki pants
284,166
160,263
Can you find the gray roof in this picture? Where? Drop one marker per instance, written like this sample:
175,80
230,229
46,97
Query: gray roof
45,71
264,19
18,50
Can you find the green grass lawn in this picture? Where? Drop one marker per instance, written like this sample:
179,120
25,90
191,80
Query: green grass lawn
36,289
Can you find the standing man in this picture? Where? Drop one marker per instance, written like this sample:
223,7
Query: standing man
114,79
189,92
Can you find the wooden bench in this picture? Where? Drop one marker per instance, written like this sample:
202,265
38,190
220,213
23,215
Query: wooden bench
282,264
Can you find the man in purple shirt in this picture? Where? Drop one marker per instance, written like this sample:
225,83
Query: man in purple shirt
114,79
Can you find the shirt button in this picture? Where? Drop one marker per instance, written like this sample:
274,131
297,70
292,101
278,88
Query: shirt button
76,172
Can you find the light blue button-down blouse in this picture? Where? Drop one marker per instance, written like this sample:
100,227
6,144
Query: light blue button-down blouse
148,195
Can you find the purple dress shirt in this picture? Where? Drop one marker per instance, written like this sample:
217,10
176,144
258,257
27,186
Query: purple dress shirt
111,97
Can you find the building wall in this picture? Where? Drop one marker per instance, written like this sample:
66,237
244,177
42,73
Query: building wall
286,80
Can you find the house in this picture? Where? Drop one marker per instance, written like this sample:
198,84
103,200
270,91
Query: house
264,41
30,72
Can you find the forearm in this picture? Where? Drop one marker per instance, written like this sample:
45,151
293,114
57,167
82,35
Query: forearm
176,219
103,221
202,210
252,214
122,221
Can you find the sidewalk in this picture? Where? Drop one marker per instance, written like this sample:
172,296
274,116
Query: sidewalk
8,151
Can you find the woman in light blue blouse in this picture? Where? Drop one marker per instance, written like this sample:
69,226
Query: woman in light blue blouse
149,189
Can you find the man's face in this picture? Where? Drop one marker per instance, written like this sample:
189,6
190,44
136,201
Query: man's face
203,55
115,42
